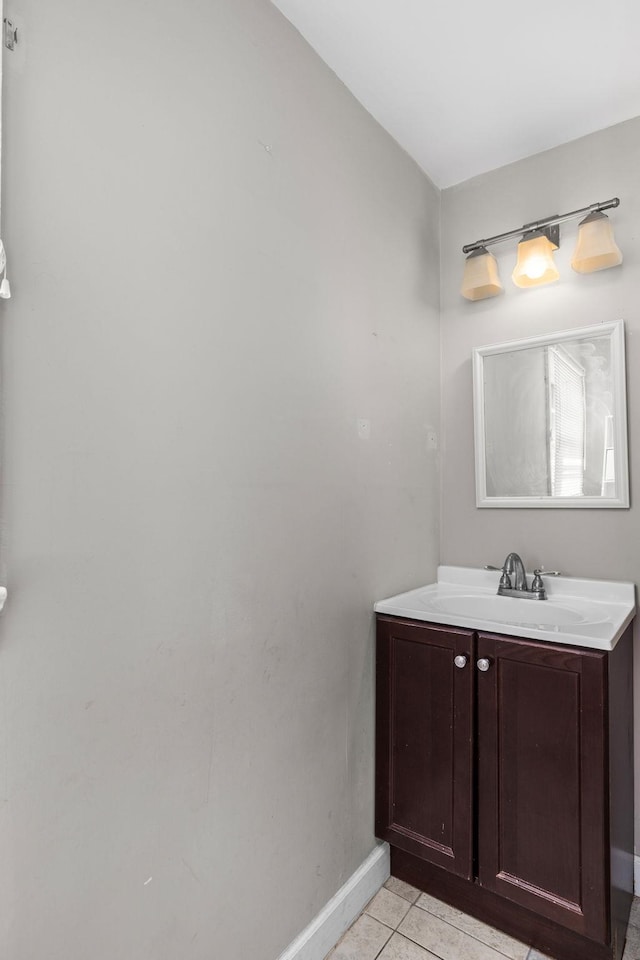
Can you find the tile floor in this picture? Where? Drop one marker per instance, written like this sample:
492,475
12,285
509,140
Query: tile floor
400,923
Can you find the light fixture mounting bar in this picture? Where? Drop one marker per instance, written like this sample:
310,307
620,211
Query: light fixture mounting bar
541,224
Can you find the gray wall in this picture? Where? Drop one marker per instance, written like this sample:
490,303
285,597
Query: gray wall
220,263
592,543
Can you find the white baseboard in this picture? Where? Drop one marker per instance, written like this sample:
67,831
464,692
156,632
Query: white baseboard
322,934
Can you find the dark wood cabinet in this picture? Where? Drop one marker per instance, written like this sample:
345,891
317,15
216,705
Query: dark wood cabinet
542,780
425,775
508,791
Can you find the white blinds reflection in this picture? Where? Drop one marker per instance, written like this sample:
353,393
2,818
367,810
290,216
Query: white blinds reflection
567,416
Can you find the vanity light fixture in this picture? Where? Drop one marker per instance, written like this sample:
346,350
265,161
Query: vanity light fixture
535,265
480,279
596,250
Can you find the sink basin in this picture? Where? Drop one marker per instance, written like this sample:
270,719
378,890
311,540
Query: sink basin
511,610
587,613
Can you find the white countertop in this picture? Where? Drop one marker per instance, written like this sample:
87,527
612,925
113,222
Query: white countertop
579,612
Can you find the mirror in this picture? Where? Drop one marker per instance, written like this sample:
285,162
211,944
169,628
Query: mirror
551,420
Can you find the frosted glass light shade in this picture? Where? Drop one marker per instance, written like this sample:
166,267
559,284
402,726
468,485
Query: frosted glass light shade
535,265
480,280
596,248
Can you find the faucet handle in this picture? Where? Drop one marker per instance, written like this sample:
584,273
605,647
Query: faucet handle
537,584
505,579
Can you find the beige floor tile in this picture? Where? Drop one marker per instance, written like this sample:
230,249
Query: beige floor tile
441,938
388,907
362,941
632,945
635,912
399,948
481,931
536,955
403,889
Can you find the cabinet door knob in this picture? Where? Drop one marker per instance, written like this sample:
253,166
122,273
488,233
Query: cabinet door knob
483,664
460,661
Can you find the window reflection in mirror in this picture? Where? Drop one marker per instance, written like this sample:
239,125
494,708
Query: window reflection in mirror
551,420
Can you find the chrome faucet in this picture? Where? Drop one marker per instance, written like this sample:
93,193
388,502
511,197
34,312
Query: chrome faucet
514,567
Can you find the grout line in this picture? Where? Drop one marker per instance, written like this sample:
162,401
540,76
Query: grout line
381,949
529,955
466,933
383,945
378,920
427,950
412,902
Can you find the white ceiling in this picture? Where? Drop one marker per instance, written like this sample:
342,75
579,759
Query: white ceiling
469,85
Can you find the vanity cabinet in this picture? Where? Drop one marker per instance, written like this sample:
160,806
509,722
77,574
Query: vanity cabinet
424,766
504,780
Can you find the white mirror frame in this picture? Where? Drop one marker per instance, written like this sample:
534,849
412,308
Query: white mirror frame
616,331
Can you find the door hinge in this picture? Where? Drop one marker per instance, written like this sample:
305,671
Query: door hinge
10,34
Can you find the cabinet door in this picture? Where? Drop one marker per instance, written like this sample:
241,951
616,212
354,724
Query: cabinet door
424,784
542,780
